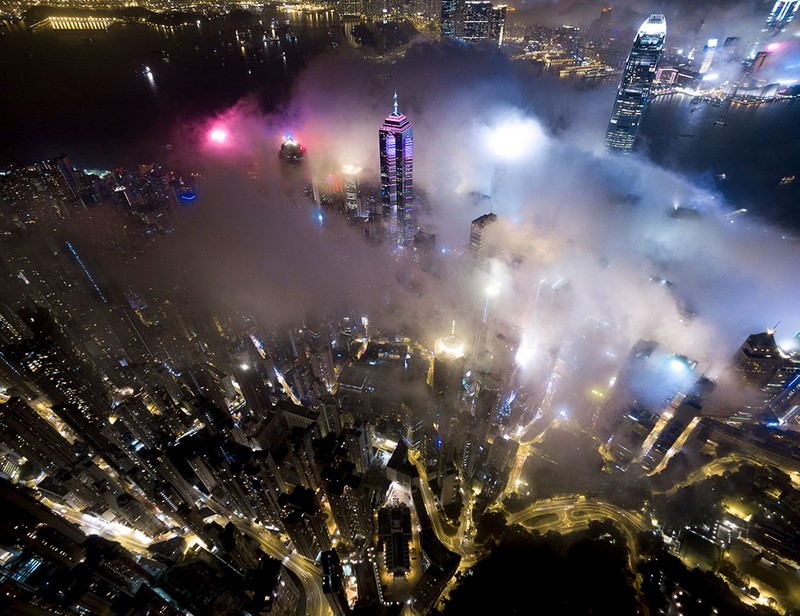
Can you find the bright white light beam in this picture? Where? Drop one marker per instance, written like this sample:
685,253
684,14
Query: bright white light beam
514,137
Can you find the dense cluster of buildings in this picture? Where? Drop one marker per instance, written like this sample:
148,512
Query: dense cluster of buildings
147,446
168,433
473,20
467,20
49,193
158,457
653,429
168,440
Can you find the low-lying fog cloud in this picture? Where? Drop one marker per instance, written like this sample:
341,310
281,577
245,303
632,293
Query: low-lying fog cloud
606,230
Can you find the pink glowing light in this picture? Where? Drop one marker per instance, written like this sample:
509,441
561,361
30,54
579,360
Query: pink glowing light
218,135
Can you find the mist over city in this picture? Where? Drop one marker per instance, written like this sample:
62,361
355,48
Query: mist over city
400,308
602,226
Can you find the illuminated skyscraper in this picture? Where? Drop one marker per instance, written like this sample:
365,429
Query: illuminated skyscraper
634,90
449,17
473,20
448,366
353,203
397,164
481,20
766,368
497,24
708,56
781,14
477,15
351,7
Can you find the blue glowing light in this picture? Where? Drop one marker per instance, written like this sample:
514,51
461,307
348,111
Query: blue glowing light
677,365
504,410
188,196
792,383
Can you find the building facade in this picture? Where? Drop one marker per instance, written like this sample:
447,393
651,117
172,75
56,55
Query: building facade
477,16
473,20
782,13
396,140
480,237
637,79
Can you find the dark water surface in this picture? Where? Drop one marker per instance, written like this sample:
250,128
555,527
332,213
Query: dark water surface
85,93
742,151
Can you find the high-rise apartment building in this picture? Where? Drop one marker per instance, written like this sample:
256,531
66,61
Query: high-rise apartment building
768,370
497,23
473,20
449,17
634,90
480,236
476,18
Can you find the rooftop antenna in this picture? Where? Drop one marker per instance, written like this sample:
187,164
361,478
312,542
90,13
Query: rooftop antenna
395,112
453,329
774,328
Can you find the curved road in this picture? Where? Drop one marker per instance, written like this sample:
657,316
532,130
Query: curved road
575,513
719,466
453,542
305,569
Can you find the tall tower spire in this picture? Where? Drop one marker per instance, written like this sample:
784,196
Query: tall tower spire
395,111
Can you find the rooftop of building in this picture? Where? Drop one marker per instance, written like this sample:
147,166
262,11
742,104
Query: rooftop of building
656,24
484,220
